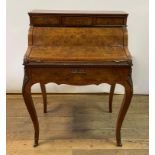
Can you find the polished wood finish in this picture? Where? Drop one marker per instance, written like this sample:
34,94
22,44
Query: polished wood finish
77,49
44,94
77,18
77,123
112,89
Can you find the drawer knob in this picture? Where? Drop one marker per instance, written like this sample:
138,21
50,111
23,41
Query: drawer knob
78,71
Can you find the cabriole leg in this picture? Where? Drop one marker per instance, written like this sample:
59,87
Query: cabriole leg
124,107
26,90
43,90
112,89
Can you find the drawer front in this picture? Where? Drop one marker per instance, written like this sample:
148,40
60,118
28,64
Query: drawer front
78,76
46,21
109,21
76,21
68,20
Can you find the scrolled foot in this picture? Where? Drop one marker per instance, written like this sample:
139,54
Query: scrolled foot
35,144
119,144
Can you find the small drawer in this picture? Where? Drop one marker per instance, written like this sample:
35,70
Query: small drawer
76,21
78,76
46,21
62,75
109,21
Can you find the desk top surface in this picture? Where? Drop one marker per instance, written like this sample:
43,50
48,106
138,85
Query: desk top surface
76,12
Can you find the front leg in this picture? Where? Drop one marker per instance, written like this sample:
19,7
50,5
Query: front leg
26,91
43,90
112,89
124,107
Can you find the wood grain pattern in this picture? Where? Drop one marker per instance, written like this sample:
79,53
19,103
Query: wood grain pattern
74,36
77,53
77,18
109,21
30,36
111,152
77,49
95,127
86,78
62,106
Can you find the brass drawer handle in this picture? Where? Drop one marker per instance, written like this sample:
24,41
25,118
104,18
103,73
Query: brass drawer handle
117,61
78,71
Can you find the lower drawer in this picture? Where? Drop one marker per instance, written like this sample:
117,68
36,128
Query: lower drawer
79,76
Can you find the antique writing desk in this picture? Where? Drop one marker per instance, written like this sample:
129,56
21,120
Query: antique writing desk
77,48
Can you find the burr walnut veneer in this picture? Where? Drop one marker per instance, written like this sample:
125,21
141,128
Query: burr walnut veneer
77,48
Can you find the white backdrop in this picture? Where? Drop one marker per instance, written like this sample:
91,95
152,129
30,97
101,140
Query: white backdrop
17,31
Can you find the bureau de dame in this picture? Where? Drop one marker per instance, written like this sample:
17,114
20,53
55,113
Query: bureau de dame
77,48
